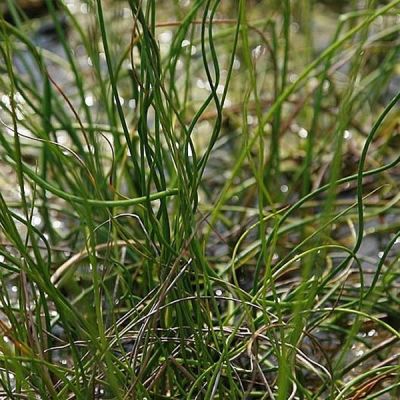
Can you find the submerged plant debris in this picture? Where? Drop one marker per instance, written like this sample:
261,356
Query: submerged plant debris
199,199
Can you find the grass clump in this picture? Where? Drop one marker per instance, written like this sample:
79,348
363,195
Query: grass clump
199,200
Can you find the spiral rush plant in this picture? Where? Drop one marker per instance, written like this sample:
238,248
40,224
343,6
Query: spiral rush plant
199,200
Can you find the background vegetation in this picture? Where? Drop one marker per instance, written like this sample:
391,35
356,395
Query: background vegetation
199,199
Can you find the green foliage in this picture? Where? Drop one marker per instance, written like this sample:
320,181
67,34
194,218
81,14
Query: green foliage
189,205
